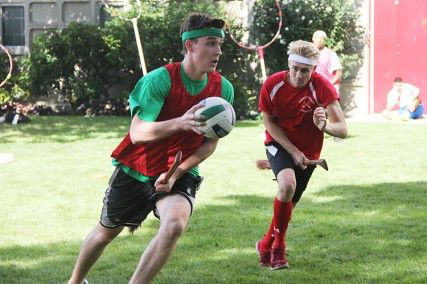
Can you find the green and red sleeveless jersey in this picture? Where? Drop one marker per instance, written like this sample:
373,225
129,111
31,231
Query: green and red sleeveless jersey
152,159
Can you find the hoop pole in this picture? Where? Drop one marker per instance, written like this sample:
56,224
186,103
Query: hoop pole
260,52
9,74
139,45
134,21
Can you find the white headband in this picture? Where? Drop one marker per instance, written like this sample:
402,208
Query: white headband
301,59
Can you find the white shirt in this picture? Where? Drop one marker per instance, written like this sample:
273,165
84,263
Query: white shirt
403,98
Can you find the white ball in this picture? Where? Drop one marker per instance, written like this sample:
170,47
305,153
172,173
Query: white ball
220,117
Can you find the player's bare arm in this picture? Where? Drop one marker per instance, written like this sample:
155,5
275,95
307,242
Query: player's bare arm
277,133
146,132
337,77
201,154
414,104
335,125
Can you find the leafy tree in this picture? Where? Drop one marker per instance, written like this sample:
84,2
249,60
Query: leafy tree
338,18
70,62
12,89
81,62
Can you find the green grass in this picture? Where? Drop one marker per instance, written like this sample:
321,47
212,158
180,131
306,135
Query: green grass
363,221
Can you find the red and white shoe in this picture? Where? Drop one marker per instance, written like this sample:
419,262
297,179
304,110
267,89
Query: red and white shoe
264,255
278,259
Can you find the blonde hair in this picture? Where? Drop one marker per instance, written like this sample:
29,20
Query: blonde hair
320,33
304,48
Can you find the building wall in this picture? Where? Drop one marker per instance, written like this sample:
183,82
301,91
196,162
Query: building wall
400,40
396,40
40,15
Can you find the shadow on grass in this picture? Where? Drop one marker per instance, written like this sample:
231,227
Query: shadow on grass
64,129
369,233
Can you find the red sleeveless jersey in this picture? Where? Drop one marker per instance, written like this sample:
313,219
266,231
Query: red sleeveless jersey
152,159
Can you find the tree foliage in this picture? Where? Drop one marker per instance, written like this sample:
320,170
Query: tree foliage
81,62
71,62
338,18
14,87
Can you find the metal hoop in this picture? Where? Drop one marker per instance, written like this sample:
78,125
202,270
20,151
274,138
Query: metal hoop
260,49
252,47
9,74
123,18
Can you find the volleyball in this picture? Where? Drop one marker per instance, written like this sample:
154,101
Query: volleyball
220,117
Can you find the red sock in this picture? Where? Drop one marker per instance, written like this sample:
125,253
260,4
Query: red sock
268,239
282,216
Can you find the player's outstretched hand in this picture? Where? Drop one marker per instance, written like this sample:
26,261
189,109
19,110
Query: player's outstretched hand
319,118
190,120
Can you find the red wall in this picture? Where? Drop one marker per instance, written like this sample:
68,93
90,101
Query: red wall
400,46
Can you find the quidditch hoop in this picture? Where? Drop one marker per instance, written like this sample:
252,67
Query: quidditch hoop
9,74
125,18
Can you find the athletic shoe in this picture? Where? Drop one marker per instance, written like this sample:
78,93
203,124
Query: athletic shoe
85,281
278,260
264,256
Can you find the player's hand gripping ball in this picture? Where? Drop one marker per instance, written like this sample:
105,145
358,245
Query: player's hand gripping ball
220,117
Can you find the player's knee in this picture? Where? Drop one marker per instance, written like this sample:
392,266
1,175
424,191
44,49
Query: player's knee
174,228
286,190
102,237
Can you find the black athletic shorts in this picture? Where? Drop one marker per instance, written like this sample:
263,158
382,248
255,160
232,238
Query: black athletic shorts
280,159
128,201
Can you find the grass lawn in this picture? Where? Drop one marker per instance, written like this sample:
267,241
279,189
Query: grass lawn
363,221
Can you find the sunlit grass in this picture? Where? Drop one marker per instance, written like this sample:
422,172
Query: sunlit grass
362,221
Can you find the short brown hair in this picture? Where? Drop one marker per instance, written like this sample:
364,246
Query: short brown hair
195,21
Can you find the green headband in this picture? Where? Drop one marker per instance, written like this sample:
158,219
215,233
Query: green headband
202,32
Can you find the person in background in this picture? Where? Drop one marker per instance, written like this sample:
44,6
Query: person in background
403,101
328,64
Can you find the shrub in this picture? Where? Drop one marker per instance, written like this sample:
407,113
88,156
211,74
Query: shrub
70,63
14,88
338,18
82,62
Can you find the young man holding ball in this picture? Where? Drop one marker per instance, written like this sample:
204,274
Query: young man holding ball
163,106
